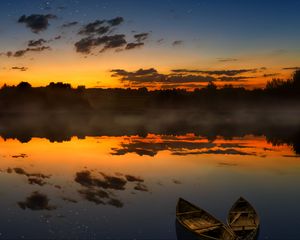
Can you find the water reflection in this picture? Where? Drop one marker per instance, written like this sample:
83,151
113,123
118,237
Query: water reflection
36,201
278,128
63,186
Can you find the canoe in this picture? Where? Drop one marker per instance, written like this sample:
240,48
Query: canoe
201,223
243,220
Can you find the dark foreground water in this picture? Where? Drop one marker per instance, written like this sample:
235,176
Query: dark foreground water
127,187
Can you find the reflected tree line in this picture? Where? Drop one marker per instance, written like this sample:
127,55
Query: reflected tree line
58,112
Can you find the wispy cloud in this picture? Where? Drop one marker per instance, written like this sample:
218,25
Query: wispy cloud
22,69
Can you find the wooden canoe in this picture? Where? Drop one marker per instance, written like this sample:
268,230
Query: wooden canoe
201,223
243,220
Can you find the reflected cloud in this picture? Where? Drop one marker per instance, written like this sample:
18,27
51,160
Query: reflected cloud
69,200
149,147
116,203
176,181
292,156
85,178
217,151
33,178
99,189
94,195
36,202
224,164
131,178
21,155
141,187
179,146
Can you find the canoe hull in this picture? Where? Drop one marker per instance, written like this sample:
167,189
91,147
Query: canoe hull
243,220
200,223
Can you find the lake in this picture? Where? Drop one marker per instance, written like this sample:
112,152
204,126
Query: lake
126,187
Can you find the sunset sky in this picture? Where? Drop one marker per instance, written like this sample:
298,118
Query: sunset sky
156,44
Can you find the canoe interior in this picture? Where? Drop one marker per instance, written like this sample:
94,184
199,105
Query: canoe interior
201,223
243,219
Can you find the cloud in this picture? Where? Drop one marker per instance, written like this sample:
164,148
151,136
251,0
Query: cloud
22,69
188,79
141,37
21,155
227,59
85,45
21,53
98,34
36,43
278,52
69,24
116,21
100,27
139,76
130,46
179,78
177,43
36,22
95,27
291,68
216,72
271,75
234,79
151,75
33,46
139,41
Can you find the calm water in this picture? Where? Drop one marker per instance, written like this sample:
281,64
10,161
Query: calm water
127,187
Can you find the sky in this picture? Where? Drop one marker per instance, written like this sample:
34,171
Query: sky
155,44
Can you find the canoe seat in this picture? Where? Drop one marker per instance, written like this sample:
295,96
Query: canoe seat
202,230
236,217
184,213
249,211
246,227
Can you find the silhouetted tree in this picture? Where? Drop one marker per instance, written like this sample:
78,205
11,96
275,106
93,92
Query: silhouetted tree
211,86
24,85
296,79
275,84
59,85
